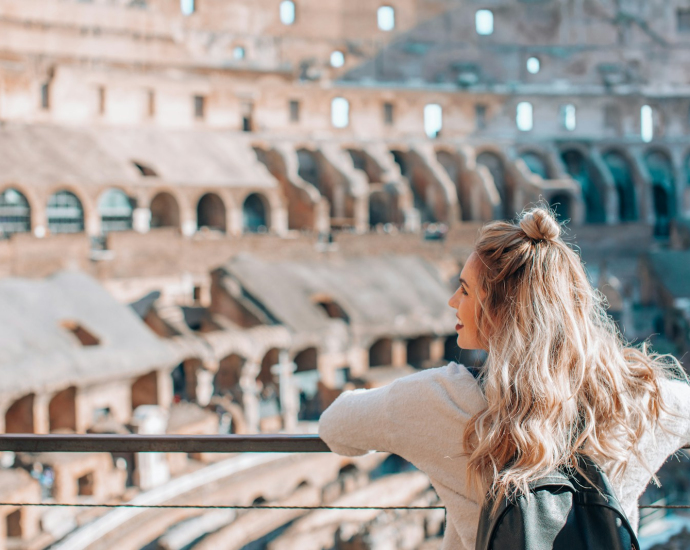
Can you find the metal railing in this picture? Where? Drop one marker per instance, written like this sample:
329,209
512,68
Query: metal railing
260,443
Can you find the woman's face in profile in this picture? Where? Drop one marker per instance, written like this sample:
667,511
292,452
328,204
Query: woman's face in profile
465,302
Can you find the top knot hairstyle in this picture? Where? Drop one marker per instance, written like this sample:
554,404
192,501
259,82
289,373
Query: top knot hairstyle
539,225
559,379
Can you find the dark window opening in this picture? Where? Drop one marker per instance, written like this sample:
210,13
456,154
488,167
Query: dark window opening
101,100
480,116
145,170
294,111
683,20
199,106
84,336
332,309
85,485
14,524
388,114
45,96
246,123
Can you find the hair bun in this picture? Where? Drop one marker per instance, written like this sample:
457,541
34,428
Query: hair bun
539,225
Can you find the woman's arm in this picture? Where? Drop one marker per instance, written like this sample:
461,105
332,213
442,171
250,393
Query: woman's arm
357,422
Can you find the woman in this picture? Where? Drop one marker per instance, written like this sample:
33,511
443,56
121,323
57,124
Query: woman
558,380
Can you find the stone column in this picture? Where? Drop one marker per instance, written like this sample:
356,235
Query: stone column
41,413
164,387
288,391
250,395
399,353
151,469
141,220
204,387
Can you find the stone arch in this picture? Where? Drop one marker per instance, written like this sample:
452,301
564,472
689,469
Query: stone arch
145,390
115,209
65,212
579,167
211,212
419,351
165,210
496,167
381,353
19,417
449,161
62,410
306,360
536,162
428,199
227,378
363,161
621,171
660,168
15,212
256,214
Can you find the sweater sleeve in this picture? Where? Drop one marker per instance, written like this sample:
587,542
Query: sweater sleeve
676,397
356,422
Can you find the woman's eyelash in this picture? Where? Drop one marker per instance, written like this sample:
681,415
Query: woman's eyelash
463,290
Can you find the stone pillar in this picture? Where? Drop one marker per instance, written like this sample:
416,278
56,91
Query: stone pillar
164,387
188,227
151,469
141,220
437,349
289,404
399,353
234,220
250,395
204,387
41,413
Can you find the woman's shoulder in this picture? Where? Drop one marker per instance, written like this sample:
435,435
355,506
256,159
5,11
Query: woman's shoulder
453,385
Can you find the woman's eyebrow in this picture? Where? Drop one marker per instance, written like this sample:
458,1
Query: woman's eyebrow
464,282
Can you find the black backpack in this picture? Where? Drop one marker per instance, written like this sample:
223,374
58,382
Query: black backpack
565,512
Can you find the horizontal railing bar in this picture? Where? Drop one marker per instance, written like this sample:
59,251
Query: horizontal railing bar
108,443
264,506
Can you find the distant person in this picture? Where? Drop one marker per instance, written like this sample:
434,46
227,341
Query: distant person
558,384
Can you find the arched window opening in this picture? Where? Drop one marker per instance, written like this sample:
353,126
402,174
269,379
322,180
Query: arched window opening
65,213
419,352
337,59
533,65
85,485
255,214
307,382
484,22
381,353
494,165
536,164
270,359
19,418
306,360
165,211
524,116
433,120
227,379
385,18
660,170
383,209
238,53
569,117
646,123
287,12
62,411
187,7
115,209
210,212
562,205
340,112
308,167
620,170
366,164
15,213
13,523
145,390
580,169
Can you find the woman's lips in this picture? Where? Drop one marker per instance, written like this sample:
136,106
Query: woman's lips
458,326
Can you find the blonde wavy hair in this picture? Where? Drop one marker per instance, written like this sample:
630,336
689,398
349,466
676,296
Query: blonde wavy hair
559,379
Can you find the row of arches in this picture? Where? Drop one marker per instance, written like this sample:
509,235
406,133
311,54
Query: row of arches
65,212
62,410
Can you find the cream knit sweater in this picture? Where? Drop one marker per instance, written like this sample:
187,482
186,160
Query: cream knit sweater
422,418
